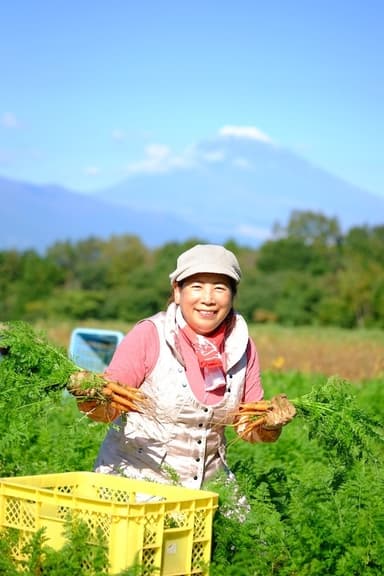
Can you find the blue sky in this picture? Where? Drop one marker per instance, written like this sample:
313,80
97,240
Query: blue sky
92,92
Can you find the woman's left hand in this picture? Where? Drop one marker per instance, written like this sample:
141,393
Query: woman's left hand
280,413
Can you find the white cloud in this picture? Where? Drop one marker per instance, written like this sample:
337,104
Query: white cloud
158,151
10,120
254,232
92,171
214,156
159,158
242,163
247,132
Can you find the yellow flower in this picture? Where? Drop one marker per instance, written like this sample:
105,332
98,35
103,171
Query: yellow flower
278,362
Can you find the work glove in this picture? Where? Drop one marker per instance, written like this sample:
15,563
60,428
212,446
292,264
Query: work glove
105,401
280,413
98,412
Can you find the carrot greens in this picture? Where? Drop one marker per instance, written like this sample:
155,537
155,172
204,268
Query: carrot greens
31,367
32,370
332,417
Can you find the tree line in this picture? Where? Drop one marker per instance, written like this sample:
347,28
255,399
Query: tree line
308,273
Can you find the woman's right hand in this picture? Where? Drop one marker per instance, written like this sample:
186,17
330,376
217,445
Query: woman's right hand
105,403
105,412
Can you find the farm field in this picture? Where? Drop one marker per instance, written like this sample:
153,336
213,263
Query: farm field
314,498
352,354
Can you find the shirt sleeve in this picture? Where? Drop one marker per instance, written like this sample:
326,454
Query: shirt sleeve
135,356
253,389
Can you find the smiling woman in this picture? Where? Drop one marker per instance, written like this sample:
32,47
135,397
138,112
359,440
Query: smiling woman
196,362
205,301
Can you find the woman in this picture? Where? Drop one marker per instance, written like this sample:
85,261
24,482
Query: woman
197,363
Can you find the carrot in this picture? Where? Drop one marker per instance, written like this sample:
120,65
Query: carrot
88,386
332,417
254,407
134,399
250,415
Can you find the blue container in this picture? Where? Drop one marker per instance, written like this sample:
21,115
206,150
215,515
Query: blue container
92,349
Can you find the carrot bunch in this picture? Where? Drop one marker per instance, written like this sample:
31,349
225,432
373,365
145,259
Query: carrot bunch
33,369
332,418
88,386
250,415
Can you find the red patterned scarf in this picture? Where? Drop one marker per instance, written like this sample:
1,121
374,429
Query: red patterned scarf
209,352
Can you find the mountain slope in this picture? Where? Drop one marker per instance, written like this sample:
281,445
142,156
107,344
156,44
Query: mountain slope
239,188
38,216
228,188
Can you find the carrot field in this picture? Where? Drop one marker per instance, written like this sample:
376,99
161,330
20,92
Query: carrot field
308,505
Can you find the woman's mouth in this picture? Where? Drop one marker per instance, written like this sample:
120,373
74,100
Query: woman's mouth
207,313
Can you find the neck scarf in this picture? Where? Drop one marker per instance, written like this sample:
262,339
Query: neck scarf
208,352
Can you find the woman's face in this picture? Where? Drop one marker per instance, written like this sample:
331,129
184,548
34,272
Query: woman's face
205,301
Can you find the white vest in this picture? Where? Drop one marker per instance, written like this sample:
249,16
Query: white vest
183,441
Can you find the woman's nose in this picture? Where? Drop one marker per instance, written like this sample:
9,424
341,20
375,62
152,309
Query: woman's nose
207,294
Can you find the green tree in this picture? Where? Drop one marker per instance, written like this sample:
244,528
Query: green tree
365,243
10,273
122,255
285,254
27,280
311,227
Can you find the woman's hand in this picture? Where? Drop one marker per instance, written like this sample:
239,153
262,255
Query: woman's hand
98,412
280,413
103,400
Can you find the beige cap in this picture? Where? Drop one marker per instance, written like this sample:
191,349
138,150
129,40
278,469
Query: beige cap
209,258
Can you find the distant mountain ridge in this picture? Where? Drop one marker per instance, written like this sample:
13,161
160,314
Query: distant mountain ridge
249,186
35,217
230,189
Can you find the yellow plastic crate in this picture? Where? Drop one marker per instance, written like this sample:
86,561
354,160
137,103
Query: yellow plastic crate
165,529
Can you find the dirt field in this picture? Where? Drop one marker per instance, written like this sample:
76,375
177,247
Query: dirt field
354,355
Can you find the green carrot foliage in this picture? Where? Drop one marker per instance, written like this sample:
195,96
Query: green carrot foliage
309,504
335,419
34,375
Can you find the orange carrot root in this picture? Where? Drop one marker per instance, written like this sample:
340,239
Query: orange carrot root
251,426
260,405
250,415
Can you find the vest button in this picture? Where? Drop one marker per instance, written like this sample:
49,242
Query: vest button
199,441
197,459
200,425
195,477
